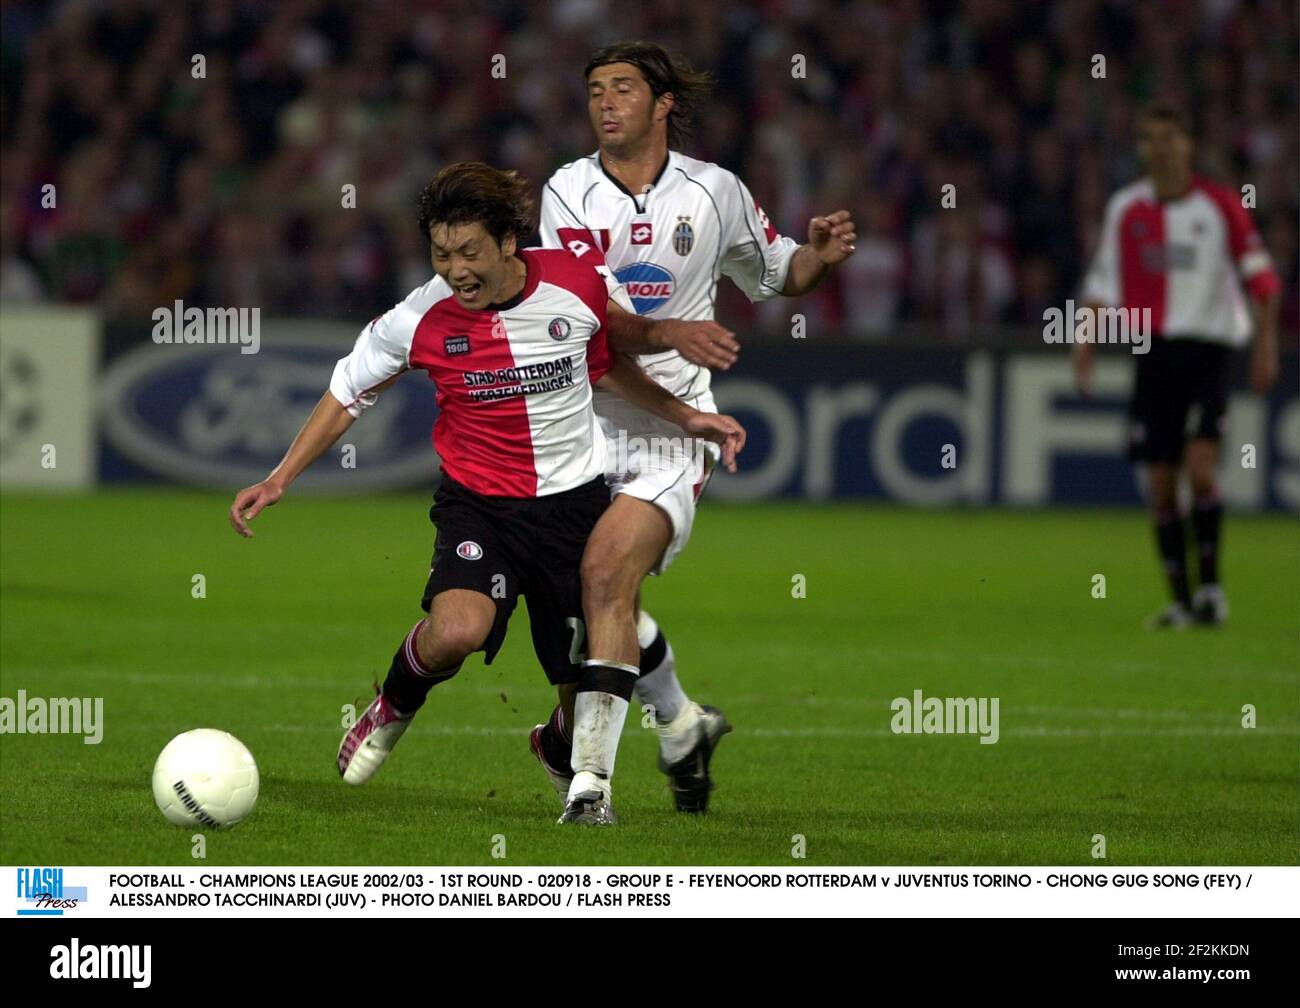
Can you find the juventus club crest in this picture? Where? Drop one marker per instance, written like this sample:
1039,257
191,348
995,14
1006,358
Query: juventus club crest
683,236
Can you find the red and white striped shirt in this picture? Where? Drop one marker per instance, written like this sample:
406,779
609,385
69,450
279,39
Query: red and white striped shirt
515,415
1186,259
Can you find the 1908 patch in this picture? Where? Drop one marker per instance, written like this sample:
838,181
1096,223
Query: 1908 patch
454,345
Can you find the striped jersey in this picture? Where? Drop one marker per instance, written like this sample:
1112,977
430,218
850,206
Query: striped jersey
513,383
1185,259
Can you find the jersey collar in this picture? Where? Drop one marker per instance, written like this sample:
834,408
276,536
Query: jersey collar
640,208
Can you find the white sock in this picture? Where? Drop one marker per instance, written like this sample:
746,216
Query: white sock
597,725
679,736
658,686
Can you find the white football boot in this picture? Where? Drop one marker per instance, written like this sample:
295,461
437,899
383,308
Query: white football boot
1210,605
1174,616
367,743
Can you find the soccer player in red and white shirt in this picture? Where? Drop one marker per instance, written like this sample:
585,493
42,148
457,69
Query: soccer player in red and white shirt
513,340
670,227
1184,247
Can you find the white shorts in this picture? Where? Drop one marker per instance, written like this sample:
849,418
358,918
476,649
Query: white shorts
655,461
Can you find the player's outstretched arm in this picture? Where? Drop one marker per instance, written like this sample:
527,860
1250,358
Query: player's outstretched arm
326,425
705,343
830,242
627,380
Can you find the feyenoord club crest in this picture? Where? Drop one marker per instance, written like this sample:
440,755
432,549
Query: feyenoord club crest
683,236
559,329
469,550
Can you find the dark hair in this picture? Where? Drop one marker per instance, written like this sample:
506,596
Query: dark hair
665,75
470,191
1168,112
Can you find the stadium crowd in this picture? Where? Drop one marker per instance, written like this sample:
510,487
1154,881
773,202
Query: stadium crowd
201,150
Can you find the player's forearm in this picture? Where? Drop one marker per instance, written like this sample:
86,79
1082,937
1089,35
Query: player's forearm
326,425
1265,311
805,273
633,334
629,382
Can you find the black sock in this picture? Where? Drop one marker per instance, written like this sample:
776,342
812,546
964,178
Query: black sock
408,681
1173,552
556,742
653,656
1207,519
607,677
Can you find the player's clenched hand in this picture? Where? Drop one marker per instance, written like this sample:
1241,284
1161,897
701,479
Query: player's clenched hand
705,343
721,430
249,503
832,237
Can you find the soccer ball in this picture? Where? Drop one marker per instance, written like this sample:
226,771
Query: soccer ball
205,777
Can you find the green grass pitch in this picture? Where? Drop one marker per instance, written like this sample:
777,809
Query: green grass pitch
1105,728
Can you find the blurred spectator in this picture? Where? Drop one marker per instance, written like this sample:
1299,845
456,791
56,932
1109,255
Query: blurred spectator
284,175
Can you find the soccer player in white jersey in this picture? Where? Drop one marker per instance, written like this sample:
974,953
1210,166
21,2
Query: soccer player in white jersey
669,226
1183,247
513,339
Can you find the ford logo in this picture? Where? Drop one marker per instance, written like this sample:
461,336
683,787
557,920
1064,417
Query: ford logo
204,415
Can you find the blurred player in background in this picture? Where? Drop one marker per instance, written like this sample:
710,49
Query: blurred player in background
514,340
1183,247
669,226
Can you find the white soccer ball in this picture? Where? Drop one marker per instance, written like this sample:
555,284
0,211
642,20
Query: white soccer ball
206,778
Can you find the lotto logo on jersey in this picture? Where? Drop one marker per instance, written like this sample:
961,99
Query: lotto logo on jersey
643,233
648,284
585,237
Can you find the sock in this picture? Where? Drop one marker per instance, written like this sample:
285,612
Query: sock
1207,519
598,713
657,685
678,737
556,742
408,681
1173,552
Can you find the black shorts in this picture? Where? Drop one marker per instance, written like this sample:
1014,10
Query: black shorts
504,547
1180,393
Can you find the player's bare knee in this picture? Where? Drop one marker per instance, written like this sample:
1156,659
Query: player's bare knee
1203,481
444,643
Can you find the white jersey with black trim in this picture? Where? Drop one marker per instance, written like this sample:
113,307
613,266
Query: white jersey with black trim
668,247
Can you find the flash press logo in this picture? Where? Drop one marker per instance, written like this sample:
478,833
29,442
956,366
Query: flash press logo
45,895
75,961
